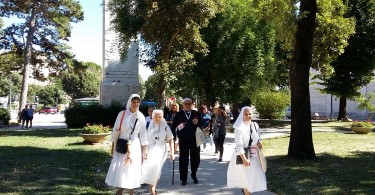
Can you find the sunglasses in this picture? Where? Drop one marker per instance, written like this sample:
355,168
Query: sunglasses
187,104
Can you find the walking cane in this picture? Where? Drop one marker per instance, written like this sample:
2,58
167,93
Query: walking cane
173,173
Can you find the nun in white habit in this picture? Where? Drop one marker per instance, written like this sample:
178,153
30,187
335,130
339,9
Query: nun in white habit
125,169
249,176
158,133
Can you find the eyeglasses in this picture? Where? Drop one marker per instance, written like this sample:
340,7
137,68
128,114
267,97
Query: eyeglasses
187,104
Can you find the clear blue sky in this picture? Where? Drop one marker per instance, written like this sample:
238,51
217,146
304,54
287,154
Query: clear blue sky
86,37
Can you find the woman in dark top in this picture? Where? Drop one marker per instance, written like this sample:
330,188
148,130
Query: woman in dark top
174,108
206,125
219,130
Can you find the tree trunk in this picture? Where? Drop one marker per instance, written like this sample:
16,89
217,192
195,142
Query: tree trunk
342,110
28,52
301,144
235,111
161,88
163,70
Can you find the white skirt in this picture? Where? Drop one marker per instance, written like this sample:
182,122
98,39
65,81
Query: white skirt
126,176
252,178
152,166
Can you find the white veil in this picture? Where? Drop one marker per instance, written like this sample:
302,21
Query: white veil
162,124
129,103
239,122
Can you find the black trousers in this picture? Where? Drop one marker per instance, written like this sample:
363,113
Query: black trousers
219,143
187,149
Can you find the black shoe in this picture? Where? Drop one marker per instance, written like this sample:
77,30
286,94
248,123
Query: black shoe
196,181
220,160
183,183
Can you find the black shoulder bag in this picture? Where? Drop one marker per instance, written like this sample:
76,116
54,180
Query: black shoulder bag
122,144
239,159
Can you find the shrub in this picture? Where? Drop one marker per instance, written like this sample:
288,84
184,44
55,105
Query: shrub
362,124
95,129
78,116
4,115
271,105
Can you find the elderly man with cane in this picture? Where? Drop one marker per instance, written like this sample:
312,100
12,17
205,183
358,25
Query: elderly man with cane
185,124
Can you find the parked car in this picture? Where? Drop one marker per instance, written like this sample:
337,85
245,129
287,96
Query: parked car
48,110
288,113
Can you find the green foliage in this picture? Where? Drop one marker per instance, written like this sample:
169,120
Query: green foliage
8,81
4,115
271,105
10,61
82,80
150,86
79,115
354,68
362,124
170,29
241,57
95,129
332,28
51,26
49,94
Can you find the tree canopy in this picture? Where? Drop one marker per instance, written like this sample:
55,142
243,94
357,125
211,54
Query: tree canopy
241,57
82,80
354,68
171,29
40,37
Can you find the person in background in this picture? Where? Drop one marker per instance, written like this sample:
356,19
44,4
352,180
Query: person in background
149,117
30,116
174,108
206,125
126,169
157,134
219,130
23,116
194,106
249,175
185,123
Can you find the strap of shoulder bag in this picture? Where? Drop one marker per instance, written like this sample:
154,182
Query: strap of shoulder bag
135,123
122,119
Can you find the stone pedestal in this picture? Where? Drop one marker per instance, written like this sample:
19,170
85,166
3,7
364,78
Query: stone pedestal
120,78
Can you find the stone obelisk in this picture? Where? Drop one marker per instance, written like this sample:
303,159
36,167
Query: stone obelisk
120,78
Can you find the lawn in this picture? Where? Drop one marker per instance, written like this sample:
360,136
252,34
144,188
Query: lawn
345,165
51,162
57,162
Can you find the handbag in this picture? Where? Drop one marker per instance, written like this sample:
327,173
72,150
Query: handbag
239,159
262,160
199,137
122,144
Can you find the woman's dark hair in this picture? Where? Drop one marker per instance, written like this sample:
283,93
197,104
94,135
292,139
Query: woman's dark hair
136,98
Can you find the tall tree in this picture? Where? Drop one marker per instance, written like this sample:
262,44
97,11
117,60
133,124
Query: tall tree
46,25
301,144
354,68
314,28
170,28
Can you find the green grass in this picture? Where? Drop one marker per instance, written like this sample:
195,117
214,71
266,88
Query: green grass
57,162
51,162
345,165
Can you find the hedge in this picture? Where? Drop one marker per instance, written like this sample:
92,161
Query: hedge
77,116
4,116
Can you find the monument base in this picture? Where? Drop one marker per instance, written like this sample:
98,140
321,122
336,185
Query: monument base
119,92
